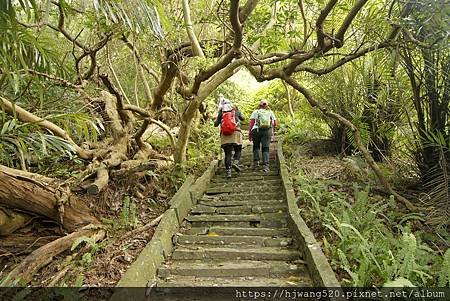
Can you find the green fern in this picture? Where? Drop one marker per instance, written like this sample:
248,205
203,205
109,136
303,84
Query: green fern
444,274
128,216
408,255
88,240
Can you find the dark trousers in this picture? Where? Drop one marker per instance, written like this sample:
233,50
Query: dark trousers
228,150
261,142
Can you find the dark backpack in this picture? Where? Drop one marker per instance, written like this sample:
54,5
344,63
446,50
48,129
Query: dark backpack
228,125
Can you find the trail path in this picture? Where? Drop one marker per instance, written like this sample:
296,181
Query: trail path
237,235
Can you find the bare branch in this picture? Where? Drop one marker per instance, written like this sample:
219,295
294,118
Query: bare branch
116,108
305,23
348,20
319,23
228,57
144,113
190,30
342,61
246,10
139,58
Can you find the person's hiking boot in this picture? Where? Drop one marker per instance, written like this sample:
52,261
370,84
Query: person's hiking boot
266,168
235,166
255,165
228,173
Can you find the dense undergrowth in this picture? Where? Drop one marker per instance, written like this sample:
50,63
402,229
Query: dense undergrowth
369,238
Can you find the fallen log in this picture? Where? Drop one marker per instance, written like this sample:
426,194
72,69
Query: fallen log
24,272
11,221
44,196
24,244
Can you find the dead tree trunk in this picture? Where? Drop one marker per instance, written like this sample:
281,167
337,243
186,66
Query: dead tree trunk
39,258
44,196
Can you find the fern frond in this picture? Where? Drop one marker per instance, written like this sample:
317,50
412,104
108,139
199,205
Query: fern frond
444,273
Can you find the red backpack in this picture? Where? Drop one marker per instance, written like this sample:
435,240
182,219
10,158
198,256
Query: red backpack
228,125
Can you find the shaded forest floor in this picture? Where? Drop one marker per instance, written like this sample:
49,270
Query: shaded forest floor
96,264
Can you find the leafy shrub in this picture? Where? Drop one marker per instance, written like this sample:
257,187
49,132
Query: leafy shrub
363,239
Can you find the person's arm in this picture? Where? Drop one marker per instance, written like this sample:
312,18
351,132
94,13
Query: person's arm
218,119
240,116
252,123
274,121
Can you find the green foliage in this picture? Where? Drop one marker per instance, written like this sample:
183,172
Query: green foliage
360,236
128,217
444,273
24,144
300,129
85,239
135,15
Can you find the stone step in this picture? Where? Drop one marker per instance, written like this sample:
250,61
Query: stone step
246,209
236,184
275,224
250,173
217,202
238,231
259,253
232,240
235,217
262,188
250,196
261,220
245,180
192,281
236,268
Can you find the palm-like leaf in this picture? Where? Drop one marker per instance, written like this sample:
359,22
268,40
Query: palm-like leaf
21,144
136,15
438,181
26,143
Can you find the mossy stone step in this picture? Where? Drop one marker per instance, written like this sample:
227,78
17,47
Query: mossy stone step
236,184
224,240
236,217
245,209
249,281
259,253
275,224
217,202
236,268
245,180
249,173
248,189
277,194
238,231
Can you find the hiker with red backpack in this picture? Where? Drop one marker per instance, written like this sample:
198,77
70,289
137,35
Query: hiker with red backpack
262,122
229,118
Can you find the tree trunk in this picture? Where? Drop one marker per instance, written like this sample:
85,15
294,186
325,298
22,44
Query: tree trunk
184,132
25,271
41,195
289,99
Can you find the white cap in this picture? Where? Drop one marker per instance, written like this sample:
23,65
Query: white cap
227,105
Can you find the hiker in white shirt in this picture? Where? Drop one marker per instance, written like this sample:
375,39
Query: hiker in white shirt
262,122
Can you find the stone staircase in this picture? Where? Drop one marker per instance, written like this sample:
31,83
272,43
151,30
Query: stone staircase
237,235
